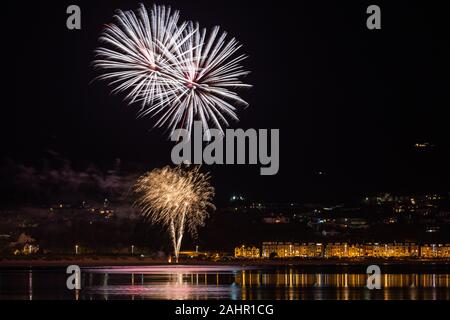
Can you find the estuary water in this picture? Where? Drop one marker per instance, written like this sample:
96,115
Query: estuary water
222,282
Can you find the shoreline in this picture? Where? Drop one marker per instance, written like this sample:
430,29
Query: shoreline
87,261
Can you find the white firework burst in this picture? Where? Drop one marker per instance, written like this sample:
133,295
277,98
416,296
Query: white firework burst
177,72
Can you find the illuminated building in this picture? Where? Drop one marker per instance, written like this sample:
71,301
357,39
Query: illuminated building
276,219
423,146
345,250
435,251
27,249
290,250
246,252
339,250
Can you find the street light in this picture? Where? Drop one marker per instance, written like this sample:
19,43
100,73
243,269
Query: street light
76,249
132,249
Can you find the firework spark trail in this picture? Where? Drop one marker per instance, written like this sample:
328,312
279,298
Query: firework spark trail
177,72
176,198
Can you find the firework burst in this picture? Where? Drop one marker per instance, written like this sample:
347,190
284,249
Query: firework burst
177,72
176,198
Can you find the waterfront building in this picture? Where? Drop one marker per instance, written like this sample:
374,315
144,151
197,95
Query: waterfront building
246,252
346,250
290,250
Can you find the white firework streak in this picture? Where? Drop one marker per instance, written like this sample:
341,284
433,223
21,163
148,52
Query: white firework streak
178,73
177,198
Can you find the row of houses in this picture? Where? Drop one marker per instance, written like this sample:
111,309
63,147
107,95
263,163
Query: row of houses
343,250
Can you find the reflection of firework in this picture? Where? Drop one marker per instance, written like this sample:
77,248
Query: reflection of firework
175,198
177,72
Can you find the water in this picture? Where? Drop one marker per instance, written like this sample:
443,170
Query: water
221,282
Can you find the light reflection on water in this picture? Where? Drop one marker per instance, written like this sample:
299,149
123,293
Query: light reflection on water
219,282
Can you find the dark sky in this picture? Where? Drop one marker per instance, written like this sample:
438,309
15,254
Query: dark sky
348,101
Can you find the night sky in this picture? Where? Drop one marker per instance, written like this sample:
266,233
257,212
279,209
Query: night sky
349,102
